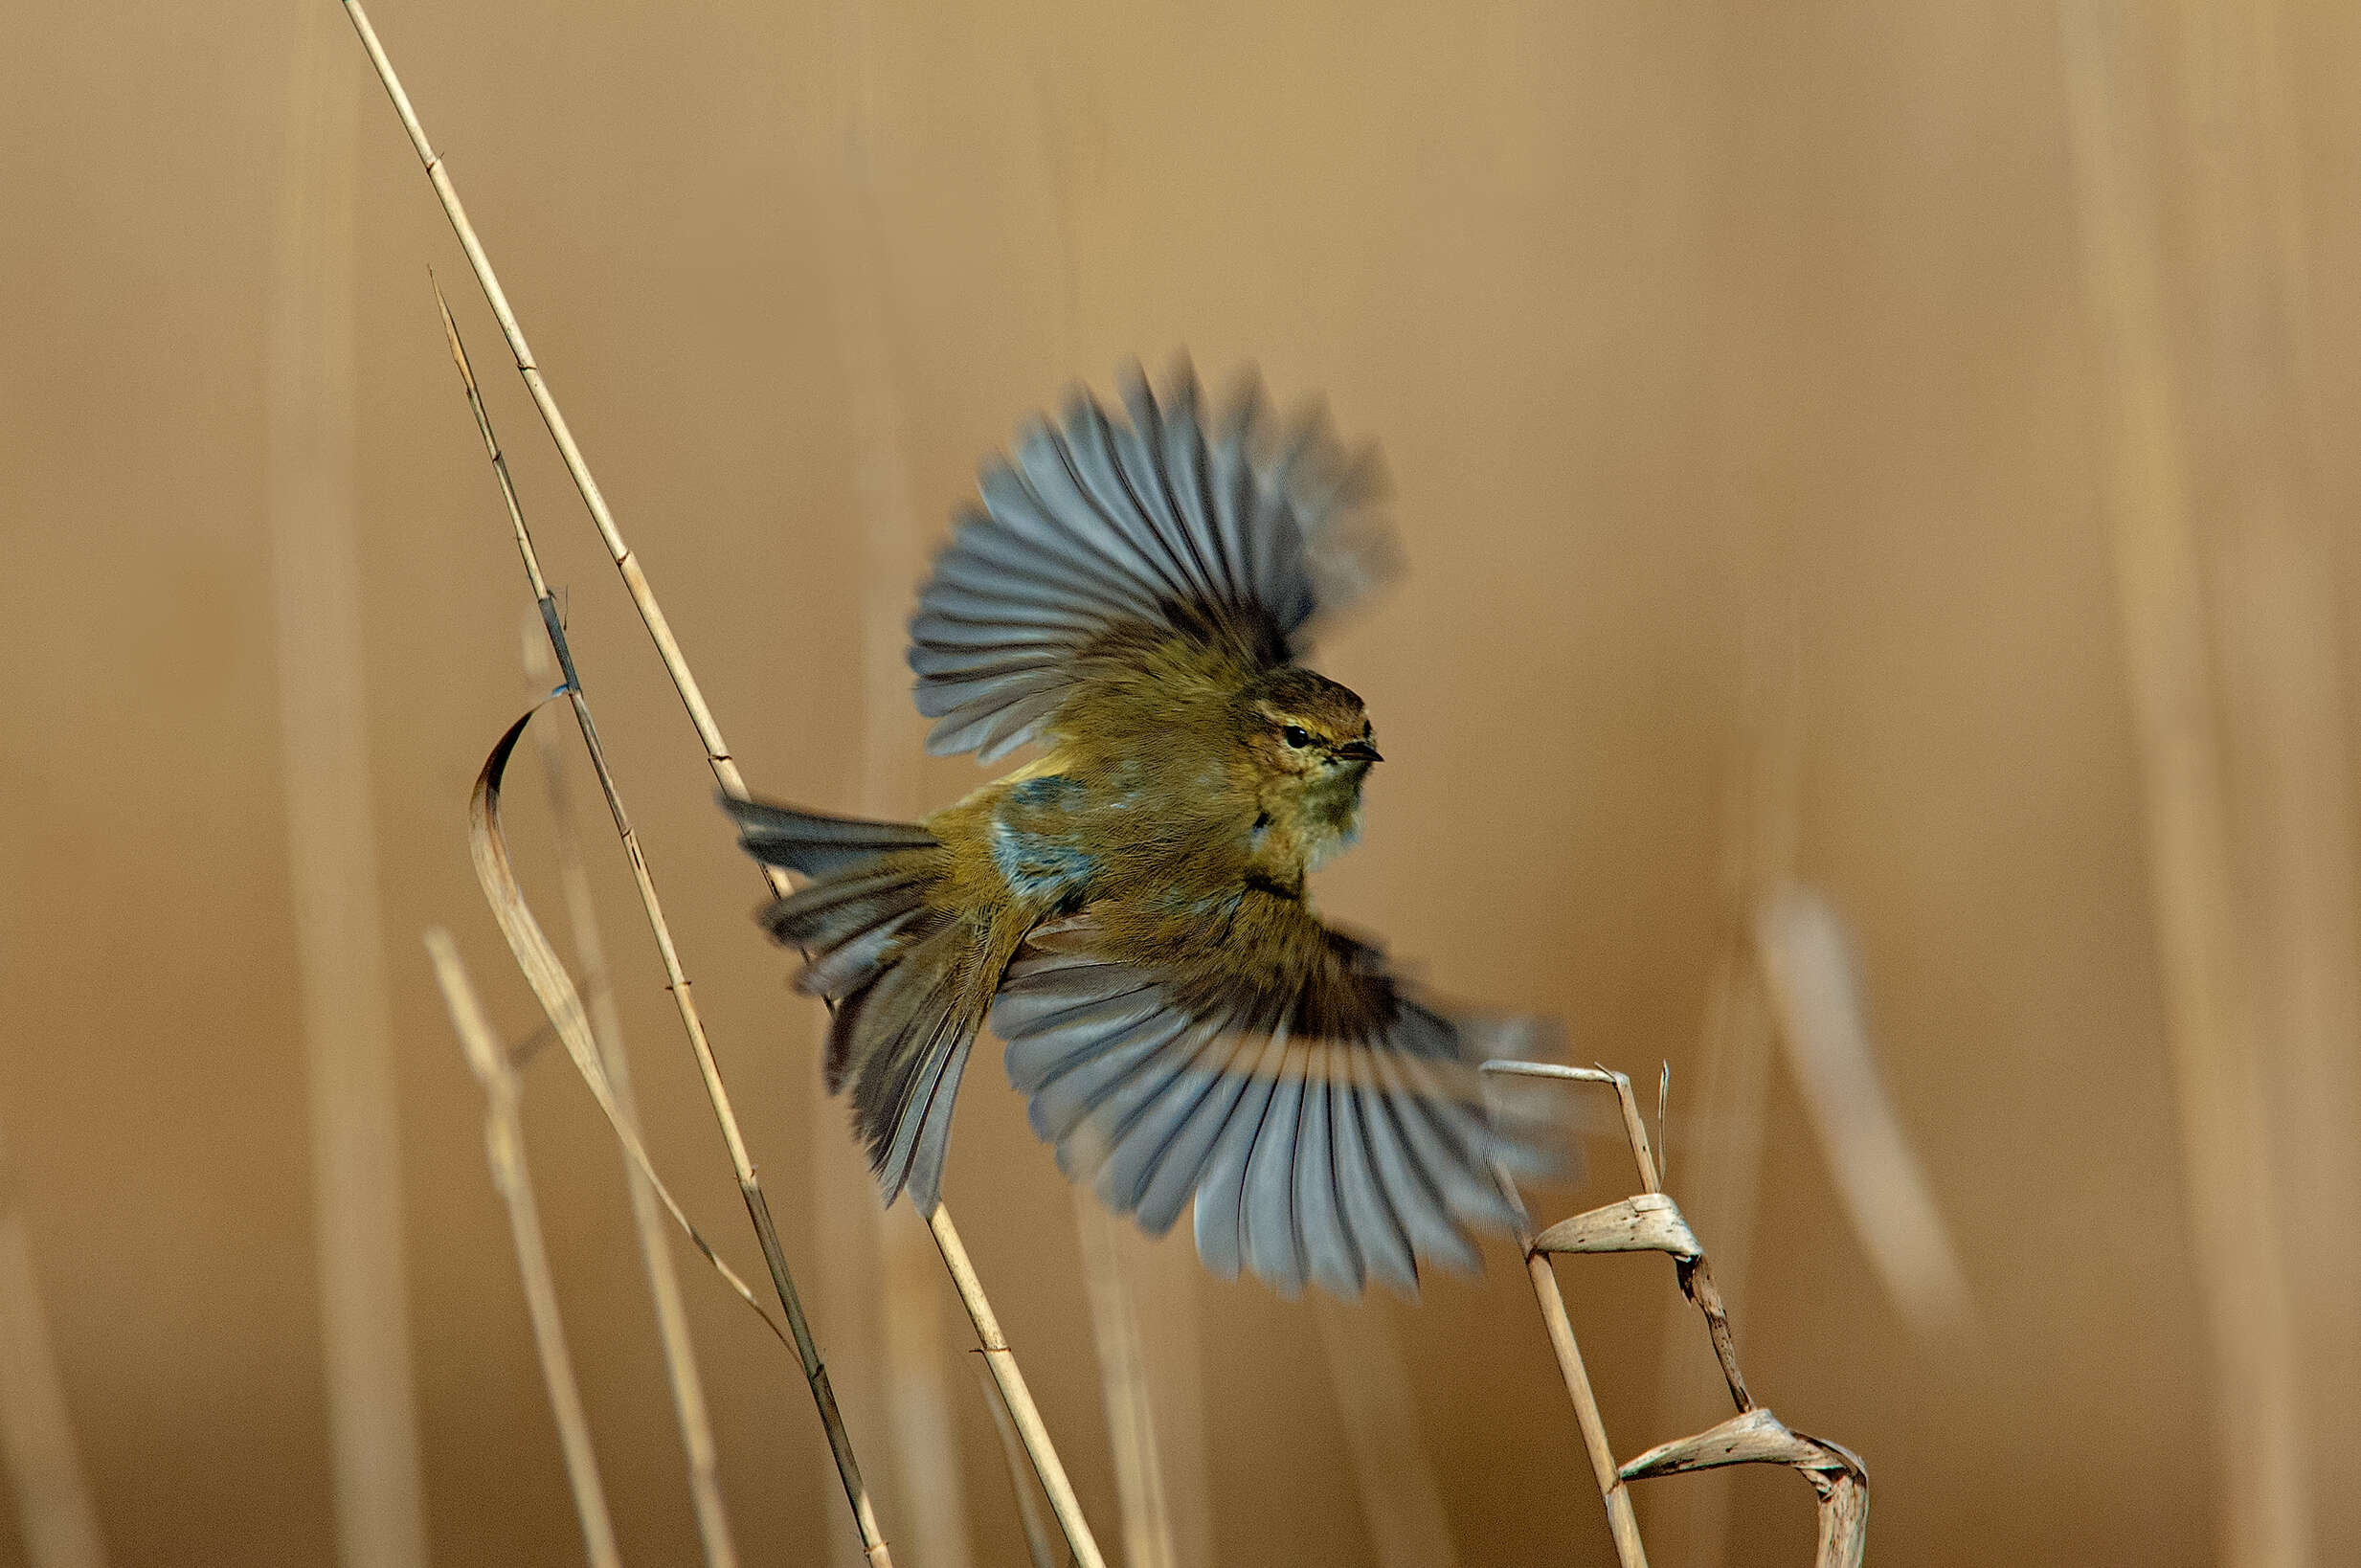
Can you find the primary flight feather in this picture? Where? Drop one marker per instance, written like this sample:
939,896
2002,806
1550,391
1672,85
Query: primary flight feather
1127,910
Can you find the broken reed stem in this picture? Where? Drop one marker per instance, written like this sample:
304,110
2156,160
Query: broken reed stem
503,1143
757,1207
726,773
663,1284
1651,1222
1010,1380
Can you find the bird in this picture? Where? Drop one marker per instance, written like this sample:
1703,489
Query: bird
1132,591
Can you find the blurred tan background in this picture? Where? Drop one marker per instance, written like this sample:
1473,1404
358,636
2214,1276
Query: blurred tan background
1904,451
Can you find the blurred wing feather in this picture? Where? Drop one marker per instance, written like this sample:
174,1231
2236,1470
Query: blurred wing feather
1327,1127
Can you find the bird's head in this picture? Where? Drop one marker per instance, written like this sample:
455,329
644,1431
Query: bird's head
1304,726
1309,742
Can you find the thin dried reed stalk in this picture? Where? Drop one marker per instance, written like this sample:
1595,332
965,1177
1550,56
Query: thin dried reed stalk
1009,1379
664,1286
37,1434
331,854
2210,1021
525,939
725,770
1651,1222
504,1145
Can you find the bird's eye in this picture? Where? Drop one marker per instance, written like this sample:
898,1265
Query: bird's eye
1295,735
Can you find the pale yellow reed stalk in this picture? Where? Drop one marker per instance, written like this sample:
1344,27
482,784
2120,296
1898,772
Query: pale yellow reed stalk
664,1286
503,1145
2280,560
2263,1466
1009,1379
725,770
348,1024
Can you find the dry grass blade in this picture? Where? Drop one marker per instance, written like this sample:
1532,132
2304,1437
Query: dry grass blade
686,1387
1651,1221
554,988
725,769
503,1142
549,978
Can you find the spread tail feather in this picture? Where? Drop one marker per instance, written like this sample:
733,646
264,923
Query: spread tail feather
905,978
815,846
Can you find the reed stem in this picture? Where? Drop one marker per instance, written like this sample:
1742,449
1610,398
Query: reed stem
725,768
757,1207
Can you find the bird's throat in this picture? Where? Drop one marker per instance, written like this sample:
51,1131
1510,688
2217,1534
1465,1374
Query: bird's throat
1306,823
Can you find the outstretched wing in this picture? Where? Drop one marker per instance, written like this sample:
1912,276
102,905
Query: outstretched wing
1099,529
1328,1127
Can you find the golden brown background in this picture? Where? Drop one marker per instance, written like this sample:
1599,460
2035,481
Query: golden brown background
1841,374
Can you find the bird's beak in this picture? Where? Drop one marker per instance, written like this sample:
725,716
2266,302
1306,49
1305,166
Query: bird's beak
1359,751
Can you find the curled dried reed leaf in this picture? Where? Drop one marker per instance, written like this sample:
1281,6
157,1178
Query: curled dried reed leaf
546,974
1649,1223
1759,1437
750,1188
1755,1438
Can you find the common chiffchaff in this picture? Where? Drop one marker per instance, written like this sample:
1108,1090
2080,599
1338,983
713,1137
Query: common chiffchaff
1128,909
